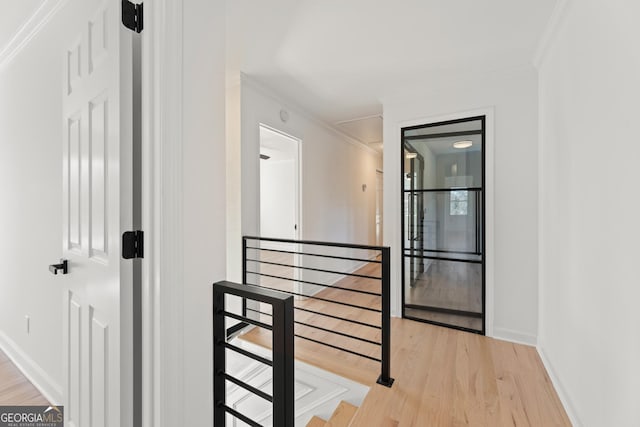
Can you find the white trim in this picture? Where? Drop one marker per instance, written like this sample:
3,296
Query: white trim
548,36
489,113
50,389
299,195
162,281
149,285
265,91
541,221
514,336
279,132
29,30
556,21
562,392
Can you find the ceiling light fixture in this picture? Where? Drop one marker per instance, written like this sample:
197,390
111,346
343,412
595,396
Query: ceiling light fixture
462,144
411,155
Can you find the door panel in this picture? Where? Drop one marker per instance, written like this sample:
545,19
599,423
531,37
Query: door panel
97,208
73,159
99,357
74,356
443,246
98,147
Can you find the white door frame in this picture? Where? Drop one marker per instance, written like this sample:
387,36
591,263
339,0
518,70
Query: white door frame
164,195
162,271
379,207
297,273
489,207
298,190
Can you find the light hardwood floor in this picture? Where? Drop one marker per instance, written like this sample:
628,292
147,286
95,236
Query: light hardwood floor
443,377
15,389
451,378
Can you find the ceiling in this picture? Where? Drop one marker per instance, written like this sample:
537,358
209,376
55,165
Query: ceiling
367,130
338,59
13,15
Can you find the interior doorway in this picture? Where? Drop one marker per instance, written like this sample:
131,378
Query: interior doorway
379,207
443,216
279,209
279,184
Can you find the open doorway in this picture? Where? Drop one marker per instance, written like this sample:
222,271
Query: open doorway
379,207
279,184
279,209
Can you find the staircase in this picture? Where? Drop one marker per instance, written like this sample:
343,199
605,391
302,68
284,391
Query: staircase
341,417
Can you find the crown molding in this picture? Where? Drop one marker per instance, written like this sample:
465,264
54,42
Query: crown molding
29,30
551,30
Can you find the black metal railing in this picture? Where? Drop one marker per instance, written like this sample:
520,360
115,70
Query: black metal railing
305,269
281,326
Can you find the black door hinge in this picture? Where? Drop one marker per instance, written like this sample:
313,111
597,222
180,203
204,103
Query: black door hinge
132,16
132,244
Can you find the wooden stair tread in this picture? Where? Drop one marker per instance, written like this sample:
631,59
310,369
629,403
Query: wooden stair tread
343,415
316,422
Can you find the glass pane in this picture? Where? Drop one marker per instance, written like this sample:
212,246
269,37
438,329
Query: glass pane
435,159
450,290
441,221
453,285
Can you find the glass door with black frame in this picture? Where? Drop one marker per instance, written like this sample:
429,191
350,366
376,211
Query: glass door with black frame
443,215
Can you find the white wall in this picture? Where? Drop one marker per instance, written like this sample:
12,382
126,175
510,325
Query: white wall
512,96
234,180
589,292
31,207
334,207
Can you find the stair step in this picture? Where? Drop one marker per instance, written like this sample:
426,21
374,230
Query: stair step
342,416
316,422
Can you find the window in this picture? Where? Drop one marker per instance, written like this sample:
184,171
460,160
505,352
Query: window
459,203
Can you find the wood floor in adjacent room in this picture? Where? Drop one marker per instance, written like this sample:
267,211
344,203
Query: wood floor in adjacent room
443,377
15,388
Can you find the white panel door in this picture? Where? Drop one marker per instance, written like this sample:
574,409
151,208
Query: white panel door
97,208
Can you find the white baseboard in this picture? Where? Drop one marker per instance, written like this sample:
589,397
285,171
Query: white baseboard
51,390
514,336
562,393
